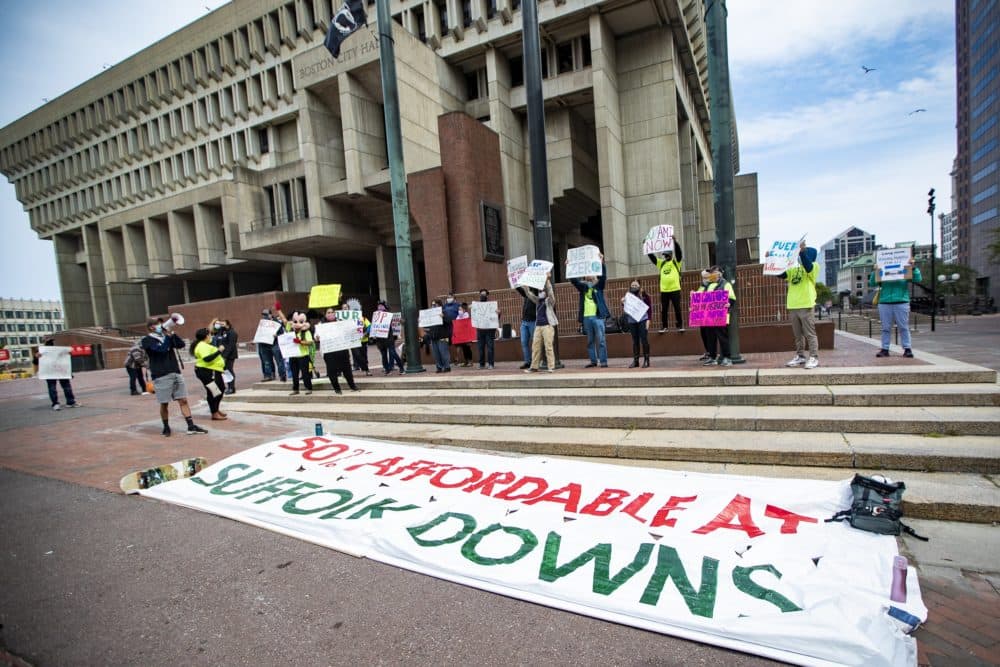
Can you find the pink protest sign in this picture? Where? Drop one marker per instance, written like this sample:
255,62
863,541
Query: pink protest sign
709,309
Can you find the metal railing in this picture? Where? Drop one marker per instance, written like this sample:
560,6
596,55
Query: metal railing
271,221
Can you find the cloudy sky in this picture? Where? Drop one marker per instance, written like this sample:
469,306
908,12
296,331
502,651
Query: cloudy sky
832,146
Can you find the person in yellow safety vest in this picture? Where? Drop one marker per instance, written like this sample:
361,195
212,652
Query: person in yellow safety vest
800,303
716,339
669,265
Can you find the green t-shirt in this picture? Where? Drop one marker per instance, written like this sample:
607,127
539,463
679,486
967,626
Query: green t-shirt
801,287
589,305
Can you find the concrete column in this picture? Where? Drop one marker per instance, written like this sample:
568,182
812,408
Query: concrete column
695,252
73,282
96,275
364,133
210,235
321,140
232,284
610,165
299,275
161,260
125,299
136,257
183,241
388,274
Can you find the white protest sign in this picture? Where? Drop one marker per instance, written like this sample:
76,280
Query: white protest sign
893,264
659,239
339,335
781,257
54,363
535,275
289,348
662,550
430,317
583,261
381,323
484,315
266,331
515,268
635,307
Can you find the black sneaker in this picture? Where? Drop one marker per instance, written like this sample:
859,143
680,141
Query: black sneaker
525,366
591,365
882,353
165,432
194,429
908,353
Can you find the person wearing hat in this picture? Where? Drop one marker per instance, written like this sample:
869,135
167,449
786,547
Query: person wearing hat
270,353
716,339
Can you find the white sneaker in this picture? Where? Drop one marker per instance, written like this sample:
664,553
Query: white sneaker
57,407
812,363
797,361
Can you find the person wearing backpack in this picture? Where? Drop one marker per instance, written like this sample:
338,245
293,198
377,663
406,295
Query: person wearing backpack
135,361
716,339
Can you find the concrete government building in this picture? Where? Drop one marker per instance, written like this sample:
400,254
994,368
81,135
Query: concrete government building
236,157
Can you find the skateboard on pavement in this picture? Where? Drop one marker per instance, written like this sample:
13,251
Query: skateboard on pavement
143,479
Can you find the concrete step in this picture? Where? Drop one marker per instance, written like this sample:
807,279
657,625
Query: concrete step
935,420
912,395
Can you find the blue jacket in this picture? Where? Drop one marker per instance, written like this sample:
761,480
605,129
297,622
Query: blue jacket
602,307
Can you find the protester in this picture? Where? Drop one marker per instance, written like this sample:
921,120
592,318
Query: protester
225,337
387,346
209,363
545,327
466,348
135,361
486,339
51,384
527,324
269,353
161,347
300,365
360,354
800,303
592,312
894,306
639,328
669,265
438,337
716,339
338,362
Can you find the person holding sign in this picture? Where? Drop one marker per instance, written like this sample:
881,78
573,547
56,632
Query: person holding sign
209,363
161,345
439,336
545,327
592,312
527,323
638,324
464,345
51,384
894,306
386,344
800,303
486,335
715,336
301,350
269,352
669,265
338,362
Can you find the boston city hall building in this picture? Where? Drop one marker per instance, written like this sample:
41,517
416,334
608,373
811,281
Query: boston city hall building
237,157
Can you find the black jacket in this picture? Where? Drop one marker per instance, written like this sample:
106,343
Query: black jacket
528,312
162,353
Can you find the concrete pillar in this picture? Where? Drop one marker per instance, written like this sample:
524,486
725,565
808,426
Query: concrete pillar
73,282
364,133
321,140
161,260
210,235
96,275
183,241
388,275
299,275
695,252
136,256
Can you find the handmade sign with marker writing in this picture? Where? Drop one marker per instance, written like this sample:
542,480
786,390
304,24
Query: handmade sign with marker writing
709,309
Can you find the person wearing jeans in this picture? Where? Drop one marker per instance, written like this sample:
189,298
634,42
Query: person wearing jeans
592,312
527,325
485,339
270,354
894,306
439,337
51,384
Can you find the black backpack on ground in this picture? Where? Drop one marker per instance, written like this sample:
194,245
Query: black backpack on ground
876,506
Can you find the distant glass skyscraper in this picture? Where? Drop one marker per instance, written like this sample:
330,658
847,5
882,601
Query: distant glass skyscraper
849,244
977,48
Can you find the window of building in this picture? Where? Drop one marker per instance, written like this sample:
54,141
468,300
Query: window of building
984,216
585,51
286,191
8,313
516,71
22,327
545,64
263,138
442,8
19,314
23,340
272,206
466,13
564,57
984,194
984,172
491,8
472,85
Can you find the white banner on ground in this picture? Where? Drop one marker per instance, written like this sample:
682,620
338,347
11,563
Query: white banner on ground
340,335
782,256
583,261
535,275
381,323
54,362
742,562
266,331
892,263
484,315
658,239
515,267
430,317
635,307
289,348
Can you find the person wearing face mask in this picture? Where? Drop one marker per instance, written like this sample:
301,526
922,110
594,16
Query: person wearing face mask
639,328
800,302
466,348
545,327
527,330
161,347
338,362
387,346
439,336
592,312
669,265
224,337
716,339
485,338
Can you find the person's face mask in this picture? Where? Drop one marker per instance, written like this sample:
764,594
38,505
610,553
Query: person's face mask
634,289
451,300
218,325
158,328
482,297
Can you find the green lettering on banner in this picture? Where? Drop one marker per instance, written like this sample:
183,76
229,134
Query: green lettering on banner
604,583
741,577
377,508
224,474
468,525
528,543
669,566
292,506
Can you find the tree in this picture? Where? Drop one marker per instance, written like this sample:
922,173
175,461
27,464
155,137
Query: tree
823,294
964,285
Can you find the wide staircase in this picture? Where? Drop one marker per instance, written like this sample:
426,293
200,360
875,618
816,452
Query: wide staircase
936,428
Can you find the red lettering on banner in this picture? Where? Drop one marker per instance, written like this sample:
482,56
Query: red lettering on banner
790,520
633,507
569,496
413,465
383,466
738,508
508,493
430,468
485,487
307,444
673,504
314,453
437,480
607,502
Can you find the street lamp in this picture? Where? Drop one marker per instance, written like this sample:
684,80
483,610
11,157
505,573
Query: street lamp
953,281
930,211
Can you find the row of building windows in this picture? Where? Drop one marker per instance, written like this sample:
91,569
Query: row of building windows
984,149
982,36
984,216
984,194
568,56
987,79
984,127
11,327
984,172
984,106
22,340
32,314
987,54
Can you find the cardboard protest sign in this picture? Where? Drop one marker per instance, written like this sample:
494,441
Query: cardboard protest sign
381,323
893,264
289,348
266,331
659,239
324,296
337,335
430,317
484,315
54,363
515,268
708,309
583,261
666,551
355,316
462,331
535,275
782,256
635,307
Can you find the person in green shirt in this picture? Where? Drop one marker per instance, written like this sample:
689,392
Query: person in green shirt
209,363
894,306
669,265
800,303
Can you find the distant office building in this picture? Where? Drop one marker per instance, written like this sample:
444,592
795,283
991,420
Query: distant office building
847,245
949,238
852,278
25,323
978,108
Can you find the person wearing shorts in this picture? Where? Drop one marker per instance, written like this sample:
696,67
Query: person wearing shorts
164,367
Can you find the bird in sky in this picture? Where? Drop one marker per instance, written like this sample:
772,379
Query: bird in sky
868,69
916,111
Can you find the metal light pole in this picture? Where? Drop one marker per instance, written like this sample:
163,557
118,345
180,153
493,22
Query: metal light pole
930,211
397,179
721,115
